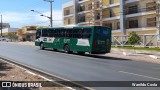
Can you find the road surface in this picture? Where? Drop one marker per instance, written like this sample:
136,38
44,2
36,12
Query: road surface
82,68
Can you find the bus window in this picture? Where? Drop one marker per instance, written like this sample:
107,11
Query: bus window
49,33
77,33
44,33
87,33
52,33
38,34
58,33
55,33
105,32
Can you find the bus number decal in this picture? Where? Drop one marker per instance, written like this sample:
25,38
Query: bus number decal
83,42
66,40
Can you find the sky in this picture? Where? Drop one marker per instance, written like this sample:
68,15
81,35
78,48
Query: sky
18,12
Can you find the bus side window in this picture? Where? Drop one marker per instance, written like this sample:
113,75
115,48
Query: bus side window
58,33
49,33
63,33
66,33
52,33
87,33
71,33
74,33
77,33
38,34
55,33
44,33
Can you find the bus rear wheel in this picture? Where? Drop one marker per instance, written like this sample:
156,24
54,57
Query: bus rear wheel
54,49
81,53
42,46
67,49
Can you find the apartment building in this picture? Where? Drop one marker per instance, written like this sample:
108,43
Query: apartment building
123,16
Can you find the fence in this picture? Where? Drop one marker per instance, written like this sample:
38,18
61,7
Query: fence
149,40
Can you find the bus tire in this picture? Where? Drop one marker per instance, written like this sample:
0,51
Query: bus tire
67,49
81,53
54,49
42,46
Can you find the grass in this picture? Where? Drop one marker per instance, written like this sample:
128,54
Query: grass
138,48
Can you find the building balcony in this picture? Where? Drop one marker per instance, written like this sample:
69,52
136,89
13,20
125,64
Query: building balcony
142,29
82,12
68,15
131,1
140,14
111,5
137,29
82,1
111,18
83,23
116,30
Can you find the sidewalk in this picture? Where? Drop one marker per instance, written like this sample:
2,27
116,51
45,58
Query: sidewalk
137,55
131,52
11,72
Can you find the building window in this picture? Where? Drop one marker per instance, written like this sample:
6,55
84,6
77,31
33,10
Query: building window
81,8
67,12
132,9
151,22
81,19
112,13
133,24
69,21
111,1
97,16
89,6
108,25
150,6
97,4
118,25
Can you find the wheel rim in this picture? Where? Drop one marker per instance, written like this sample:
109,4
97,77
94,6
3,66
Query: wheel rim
41,46
66,49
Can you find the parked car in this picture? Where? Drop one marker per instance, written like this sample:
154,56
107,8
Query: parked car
4,39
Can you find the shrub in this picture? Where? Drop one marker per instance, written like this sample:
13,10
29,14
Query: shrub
133,38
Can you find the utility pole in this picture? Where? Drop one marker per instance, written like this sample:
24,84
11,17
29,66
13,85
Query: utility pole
158,18
1,25
51,17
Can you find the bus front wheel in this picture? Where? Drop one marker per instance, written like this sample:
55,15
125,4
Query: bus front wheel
42,46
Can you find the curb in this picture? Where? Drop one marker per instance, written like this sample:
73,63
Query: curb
151,56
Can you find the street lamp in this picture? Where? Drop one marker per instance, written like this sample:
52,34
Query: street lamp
1,25
50,1
41,14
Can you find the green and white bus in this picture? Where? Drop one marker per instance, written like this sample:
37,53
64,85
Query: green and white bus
80,39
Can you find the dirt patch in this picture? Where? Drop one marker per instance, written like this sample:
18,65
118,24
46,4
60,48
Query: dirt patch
9,72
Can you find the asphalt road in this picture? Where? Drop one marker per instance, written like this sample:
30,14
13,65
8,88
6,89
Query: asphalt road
83,68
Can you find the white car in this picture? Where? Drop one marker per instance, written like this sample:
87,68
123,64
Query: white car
4,39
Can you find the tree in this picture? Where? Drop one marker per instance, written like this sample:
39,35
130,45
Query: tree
133,38
11,35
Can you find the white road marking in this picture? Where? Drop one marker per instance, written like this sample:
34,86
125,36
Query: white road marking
139,75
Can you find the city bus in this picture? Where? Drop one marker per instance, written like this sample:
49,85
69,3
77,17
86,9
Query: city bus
80,39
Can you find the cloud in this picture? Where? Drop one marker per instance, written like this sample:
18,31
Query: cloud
18,19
